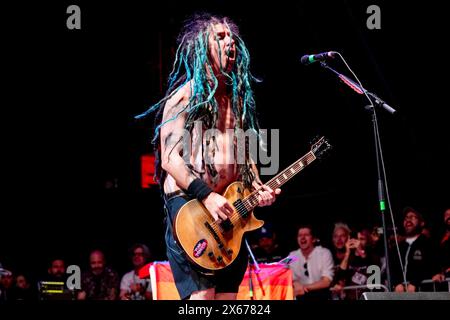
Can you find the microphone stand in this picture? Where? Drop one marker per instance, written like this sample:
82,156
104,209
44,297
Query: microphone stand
378,153
250,280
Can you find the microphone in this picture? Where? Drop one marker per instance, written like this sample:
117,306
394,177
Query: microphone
311,58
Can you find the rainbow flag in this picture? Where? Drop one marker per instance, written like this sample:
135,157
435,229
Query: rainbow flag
271,282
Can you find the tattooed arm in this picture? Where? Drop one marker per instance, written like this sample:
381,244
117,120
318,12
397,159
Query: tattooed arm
173,137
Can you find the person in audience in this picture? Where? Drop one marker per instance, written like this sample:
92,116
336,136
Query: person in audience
418,260
340,237
56,273
267,249
444,252
353,269
131,286
99,282
6,284
312,267
57,270
23,290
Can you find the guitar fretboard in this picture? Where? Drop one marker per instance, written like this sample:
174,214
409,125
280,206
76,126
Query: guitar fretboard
251,201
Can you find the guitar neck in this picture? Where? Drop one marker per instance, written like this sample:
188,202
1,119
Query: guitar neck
251,201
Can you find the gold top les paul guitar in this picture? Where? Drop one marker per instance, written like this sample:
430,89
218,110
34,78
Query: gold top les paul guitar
214,245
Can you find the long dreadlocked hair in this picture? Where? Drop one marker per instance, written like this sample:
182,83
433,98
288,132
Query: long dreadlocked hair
192,63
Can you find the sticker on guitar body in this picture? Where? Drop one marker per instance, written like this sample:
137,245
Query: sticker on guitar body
200,248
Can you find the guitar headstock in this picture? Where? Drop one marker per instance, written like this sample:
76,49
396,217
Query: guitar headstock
320,147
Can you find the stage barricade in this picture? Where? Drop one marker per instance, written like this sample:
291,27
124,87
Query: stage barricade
357,290
430,285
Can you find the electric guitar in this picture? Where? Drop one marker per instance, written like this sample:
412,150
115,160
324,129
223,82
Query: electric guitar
214,245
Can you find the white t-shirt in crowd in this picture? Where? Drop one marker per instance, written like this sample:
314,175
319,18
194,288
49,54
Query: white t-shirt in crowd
130,278
319,264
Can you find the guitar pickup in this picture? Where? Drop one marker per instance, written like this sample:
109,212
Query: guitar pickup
226,225
240,208
214,234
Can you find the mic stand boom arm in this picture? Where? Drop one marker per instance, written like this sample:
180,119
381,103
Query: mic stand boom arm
360,90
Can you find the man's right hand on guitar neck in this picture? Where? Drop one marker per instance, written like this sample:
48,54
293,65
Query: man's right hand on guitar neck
218,206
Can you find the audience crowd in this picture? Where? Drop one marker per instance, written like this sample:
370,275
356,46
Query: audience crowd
354,262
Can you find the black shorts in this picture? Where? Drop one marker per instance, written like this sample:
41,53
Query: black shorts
187,277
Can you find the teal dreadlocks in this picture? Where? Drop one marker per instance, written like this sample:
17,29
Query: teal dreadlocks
192,64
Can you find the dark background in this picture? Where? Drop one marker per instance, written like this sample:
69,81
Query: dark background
70,97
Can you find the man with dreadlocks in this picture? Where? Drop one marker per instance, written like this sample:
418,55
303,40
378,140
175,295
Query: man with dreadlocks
208,87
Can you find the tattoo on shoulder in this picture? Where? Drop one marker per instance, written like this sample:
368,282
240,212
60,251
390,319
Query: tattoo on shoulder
168,139
175,109
171,142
